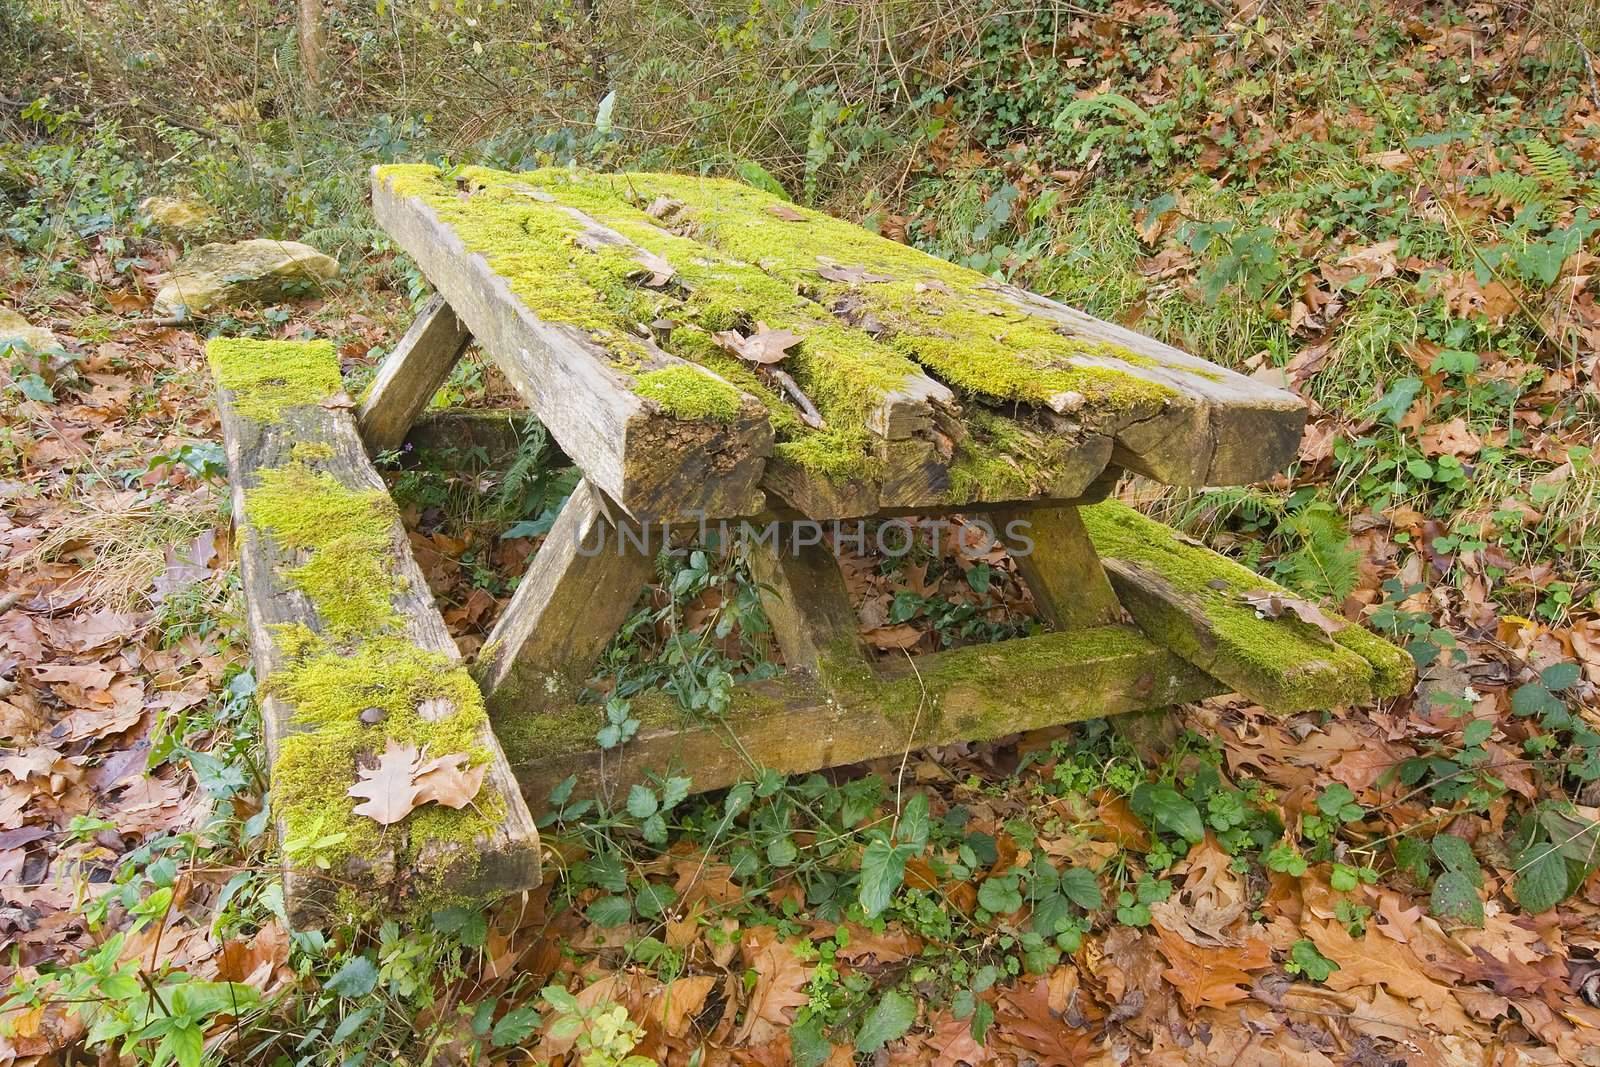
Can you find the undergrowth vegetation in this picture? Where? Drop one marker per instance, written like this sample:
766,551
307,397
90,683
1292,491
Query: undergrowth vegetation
1390,207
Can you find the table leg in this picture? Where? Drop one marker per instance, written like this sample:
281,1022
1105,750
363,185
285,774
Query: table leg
803,592
1055,557
411,375
577,593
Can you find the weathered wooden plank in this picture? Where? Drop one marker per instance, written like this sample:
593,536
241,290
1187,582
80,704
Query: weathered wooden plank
976,693
410,375
1193,601
342,625
1174,417
654,463
1055,557
1220,428
910,448
578,591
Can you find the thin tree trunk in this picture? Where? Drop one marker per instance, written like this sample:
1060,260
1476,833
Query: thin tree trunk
311,47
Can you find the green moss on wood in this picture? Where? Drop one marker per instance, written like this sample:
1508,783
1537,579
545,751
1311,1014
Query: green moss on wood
265,377
328,689
1394,671
1004,459
1289,665
535,246
686,393
844,371
987,690
349,577
947,318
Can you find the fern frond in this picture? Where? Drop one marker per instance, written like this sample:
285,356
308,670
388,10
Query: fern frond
1326,563
1551,165
1508,187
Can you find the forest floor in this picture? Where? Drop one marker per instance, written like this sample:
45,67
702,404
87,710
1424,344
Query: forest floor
1404,883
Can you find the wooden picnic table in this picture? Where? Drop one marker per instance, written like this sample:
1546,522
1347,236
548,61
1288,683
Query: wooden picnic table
704,351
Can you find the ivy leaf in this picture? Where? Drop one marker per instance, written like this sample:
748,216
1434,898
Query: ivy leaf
913,826
1169,810
889,1019
1397,401
1079,885
356,979
883,868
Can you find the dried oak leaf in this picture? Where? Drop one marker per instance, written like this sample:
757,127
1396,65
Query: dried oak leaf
781,980
851,275
389,789
1211,977
449,781
1270,605
764,346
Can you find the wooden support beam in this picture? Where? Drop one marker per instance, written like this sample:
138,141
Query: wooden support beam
656,465
291,458
411,374
1055,557
804,595
798,725
579,589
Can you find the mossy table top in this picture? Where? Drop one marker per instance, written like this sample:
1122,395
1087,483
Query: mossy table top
695,344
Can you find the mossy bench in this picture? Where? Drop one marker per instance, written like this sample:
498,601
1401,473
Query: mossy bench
354,661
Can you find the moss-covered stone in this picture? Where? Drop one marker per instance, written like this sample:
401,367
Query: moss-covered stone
1284,662
265,377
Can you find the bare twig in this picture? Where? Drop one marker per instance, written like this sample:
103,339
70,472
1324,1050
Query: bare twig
808,411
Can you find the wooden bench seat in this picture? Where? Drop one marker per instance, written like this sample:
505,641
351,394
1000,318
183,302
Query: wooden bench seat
353,658
1236,625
